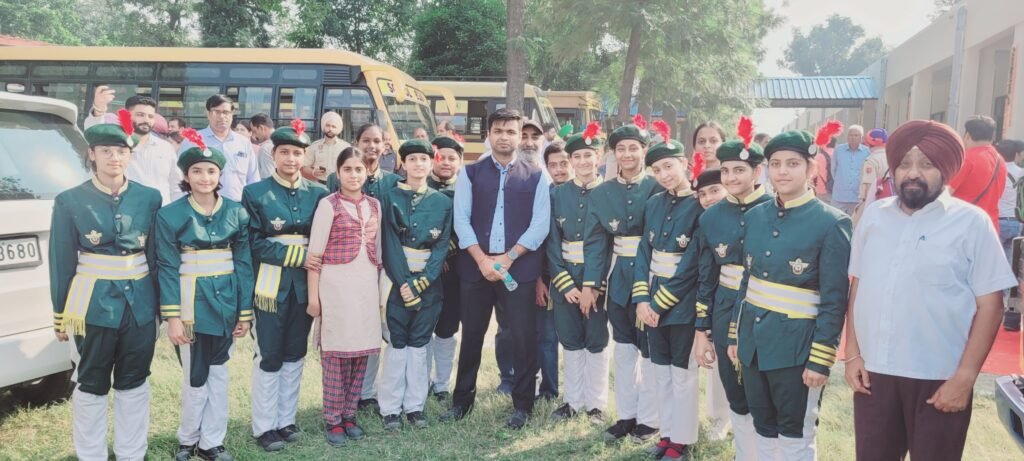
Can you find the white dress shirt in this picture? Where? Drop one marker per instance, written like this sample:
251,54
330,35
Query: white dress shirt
920,275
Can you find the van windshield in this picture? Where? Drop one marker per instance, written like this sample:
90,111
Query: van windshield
40,155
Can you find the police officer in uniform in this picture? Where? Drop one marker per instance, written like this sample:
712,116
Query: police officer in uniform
104,298
721,269
441,349
583,334
792,299
280,211
417,223
664,290
206,290
612,232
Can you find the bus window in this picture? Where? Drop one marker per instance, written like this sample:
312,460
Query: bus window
295,103
171,101
124,91
193,105
355,105
476,121
409,115
61,70
70,92
11,69
251,100
126,71
244,73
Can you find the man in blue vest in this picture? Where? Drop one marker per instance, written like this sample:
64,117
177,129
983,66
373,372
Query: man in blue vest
502,216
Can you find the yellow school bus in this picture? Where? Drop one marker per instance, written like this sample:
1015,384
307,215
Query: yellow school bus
282,83
474,101
576,107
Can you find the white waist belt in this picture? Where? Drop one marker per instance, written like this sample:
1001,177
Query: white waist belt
92,267
417,259
290,239
730,275
572,252
665,264
626,246
205,263
792,301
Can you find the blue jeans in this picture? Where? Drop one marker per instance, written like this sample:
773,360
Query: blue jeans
1009,228
547,352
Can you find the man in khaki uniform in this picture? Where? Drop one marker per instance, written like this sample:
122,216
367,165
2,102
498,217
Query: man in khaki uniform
322,155
874,169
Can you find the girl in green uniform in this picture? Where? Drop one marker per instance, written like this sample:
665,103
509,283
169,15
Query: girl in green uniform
206,292
104,298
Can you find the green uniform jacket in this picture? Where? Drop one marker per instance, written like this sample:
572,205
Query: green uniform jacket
615,209
569,203
89,219
277,208
803,244
720,244
420,220
375,186
222,300
670,226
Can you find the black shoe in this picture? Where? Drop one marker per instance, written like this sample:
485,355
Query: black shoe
442,396
643,433
336,436
352,430
455,413
270,441
290,433
417,419
620,429
369,404
563,413
216,454
185,452
517,420
392,423
596,417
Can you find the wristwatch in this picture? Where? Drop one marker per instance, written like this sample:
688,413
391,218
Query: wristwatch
513,254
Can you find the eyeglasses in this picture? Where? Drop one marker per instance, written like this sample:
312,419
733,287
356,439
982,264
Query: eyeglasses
108,153
222,113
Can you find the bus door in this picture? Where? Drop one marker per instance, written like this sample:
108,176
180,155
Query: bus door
355,105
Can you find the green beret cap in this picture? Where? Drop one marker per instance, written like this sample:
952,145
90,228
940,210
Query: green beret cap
736,151
109,134
661,150
708,178
194,155
445,142
287,135
796,140
578,141
633,132
415,146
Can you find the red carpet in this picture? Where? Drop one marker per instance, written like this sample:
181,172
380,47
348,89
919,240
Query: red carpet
1003,359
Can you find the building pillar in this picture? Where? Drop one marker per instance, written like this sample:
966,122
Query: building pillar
1015,123
921,95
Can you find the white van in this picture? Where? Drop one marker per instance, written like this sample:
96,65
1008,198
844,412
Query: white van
41,153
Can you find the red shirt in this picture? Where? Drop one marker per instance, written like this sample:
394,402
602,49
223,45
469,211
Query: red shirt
349,232
983,167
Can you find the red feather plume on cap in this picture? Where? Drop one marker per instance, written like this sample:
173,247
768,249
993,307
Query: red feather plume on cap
299,126
125,119
825,133
663,129
698,164
192,135
639,121
593,128
745,130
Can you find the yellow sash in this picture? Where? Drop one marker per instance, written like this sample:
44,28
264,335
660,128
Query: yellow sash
196,264
93,267
268,281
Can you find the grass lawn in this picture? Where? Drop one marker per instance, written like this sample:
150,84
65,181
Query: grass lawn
45,433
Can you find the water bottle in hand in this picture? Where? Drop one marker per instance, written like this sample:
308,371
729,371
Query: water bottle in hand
506,278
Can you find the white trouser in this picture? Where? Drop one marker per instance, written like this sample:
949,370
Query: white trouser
595,380
442,353
291,384
89,425
685,414
392,381
370,380
648,406
744,437
417,379
716,404
575,366
768,449
626,380
131,423
803,448
204,409
266,392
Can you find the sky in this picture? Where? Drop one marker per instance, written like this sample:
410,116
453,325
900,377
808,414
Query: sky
894,21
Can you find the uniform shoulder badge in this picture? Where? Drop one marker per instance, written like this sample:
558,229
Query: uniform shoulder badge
561,221
614,224
435,233
721,250
683,241
278,223
94,237
750,261
142,240
799,266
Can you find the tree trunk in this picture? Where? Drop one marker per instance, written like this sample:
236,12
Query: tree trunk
515,63
629,73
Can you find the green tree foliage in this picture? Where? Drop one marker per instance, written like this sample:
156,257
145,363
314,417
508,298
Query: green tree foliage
236,23
379,29
837,47
464,38
52,21
99,22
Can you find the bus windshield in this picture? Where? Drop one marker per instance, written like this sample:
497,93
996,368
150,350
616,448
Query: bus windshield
408,115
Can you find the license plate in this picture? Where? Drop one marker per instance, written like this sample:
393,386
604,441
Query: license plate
19,251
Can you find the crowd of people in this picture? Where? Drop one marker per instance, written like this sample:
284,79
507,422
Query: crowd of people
746,258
